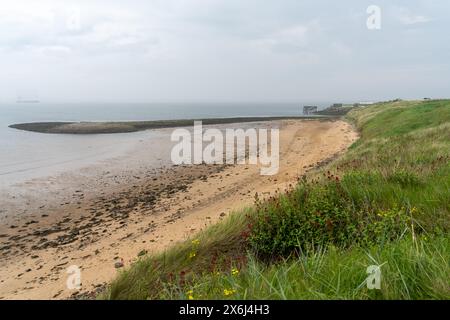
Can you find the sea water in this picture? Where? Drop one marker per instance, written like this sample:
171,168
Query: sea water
27,155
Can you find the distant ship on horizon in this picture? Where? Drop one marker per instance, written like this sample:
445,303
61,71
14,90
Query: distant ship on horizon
28,101
21,99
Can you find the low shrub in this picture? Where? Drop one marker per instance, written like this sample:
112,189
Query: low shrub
319,213
404,178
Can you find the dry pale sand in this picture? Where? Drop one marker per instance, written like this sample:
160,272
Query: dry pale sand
150,214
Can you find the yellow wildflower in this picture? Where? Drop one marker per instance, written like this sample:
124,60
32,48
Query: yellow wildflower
414,210
228,292
192,255
234,271
195,242
190,295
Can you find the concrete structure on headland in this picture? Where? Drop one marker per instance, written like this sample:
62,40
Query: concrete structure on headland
308,110
362,104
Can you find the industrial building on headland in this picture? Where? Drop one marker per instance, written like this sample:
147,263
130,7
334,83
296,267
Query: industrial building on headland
308,110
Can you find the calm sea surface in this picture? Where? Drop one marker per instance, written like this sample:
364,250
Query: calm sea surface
26,155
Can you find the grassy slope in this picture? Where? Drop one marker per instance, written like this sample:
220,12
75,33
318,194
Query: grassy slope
401,161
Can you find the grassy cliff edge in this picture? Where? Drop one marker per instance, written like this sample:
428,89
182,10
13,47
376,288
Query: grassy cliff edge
385,202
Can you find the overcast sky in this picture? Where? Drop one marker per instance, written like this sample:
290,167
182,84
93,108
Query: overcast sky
223,50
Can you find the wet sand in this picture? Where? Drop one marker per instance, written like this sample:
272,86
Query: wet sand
146,209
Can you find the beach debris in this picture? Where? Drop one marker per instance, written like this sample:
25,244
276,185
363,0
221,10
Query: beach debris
119,264
142,253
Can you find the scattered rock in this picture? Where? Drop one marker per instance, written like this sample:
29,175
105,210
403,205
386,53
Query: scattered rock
118,264
142,253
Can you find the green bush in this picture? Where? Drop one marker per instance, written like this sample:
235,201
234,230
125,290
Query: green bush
316,214
404,178
361,178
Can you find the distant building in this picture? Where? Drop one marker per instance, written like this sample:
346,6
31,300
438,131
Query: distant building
307,110
337,105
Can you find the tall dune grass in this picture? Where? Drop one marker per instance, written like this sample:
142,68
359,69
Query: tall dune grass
393,188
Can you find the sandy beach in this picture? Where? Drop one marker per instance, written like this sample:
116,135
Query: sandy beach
120,212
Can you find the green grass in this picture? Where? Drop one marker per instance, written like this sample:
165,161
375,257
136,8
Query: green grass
146,278
408,273
385,202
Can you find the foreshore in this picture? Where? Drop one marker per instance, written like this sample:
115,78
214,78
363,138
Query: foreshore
147,211
134,126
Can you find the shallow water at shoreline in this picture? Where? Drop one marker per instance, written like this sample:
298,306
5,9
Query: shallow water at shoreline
31,163
28,155
121,206
39,172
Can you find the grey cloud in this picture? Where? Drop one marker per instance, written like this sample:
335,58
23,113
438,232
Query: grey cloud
223,50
